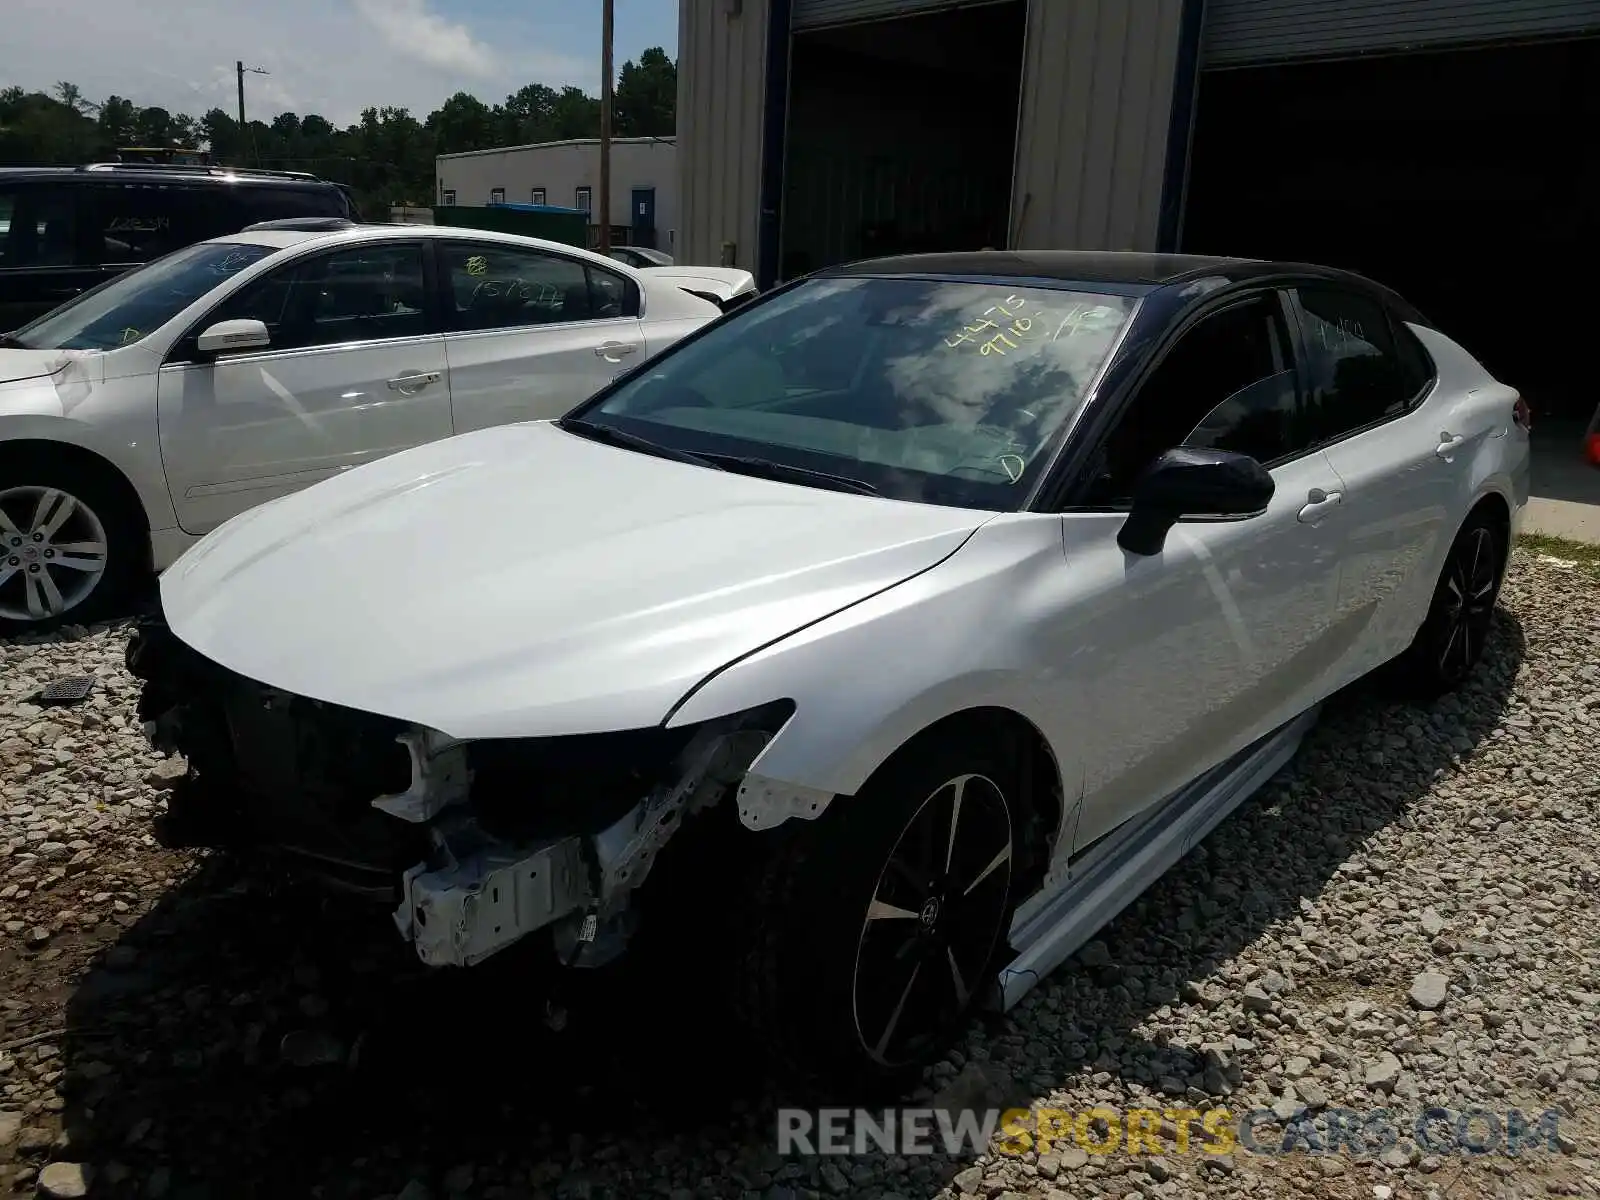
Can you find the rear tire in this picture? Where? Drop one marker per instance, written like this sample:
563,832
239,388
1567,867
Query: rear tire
70,547
1460,617
872,932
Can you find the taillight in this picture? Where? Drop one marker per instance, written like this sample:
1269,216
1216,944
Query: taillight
1522,414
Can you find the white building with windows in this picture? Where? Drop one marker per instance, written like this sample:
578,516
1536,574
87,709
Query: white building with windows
644,181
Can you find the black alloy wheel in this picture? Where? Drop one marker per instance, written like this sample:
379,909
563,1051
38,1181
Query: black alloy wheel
939,909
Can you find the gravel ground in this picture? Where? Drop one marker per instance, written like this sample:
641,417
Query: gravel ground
1405,917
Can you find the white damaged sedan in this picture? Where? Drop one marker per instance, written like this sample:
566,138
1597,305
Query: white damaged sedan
931,607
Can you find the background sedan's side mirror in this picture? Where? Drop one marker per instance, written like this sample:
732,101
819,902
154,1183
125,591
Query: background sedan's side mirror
1192,483
227,336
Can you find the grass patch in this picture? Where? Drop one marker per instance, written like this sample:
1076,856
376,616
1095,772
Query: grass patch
1585,554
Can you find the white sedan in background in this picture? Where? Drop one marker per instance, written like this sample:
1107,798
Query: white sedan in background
143,414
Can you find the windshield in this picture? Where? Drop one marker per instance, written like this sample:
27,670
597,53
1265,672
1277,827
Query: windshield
129,307
937,391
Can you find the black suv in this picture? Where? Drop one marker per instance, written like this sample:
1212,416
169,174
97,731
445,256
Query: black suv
65,229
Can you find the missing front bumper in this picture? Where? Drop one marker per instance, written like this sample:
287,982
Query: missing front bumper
478,844
460,914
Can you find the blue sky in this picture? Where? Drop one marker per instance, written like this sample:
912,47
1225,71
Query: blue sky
333,57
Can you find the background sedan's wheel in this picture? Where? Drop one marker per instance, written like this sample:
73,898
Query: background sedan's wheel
877,928
1456,630
67,546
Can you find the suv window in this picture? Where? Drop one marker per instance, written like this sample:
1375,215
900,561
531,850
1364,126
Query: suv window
133,223
492,286
1228,384
42,228
1356,375
8,204
364,293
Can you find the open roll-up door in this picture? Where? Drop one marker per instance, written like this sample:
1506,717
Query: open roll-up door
815,14
1248,32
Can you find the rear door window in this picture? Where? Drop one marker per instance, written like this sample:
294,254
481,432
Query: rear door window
1356,375
494,286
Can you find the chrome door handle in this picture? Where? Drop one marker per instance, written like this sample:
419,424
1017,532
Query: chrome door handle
614,350
1448,444
1319,504
407,384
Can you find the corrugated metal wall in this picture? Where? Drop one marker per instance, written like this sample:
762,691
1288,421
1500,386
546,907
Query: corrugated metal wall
1092,142
721,100
1239,32
812,14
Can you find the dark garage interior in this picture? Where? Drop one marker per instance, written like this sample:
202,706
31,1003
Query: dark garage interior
1467,180
901,135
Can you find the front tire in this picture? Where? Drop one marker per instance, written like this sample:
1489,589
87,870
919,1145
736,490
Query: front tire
1455,632
877,927
68,545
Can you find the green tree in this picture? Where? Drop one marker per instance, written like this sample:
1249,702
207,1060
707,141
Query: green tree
387,156
116,121
462,122
575,114
646,98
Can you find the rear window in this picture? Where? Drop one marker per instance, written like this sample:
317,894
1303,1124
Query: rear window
278,203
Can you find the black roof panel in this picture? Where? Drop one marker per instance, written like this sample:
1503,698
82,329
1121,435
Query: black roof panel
1117,268
1083,266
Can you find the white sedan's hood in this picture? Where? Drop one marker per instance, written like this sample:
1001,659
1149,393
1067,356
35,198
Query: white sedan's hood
522,581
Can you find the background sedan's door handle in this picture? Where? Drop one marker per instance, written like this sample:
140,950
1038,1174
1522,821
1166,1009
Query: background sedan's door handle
406,384
1449,443
614,350
1319,504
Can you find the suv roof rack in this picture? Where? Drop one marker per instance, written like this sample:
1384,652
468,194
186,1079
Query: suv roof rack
198,169
302,225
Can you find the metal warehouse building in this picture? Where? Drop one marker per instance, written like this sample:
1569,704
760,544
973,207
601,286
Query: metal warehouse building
1450,148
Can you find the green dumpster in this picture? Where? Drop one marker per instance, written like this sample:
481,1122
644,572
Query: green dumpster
548,221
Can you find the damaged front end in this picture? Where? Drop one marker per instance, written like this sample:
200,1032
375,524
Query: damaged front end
476,844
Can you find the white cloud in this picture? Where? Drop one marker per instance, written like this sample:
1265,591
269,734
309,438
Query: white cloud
410,28
333,57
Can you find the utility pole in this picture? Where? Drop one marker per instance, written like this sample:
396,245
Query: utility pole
240,69
607,21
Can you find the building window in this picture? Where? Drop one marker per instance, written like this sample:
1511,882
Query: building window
584,202
538,195
497,195
449,196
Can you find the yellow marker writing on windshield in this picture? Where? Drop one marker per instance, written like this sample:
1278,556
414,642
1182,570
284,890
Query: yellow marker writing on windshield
1015,326
477,265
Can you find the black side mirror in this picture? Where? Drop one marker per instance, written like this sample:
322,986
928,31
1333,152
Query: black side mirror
1192,483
